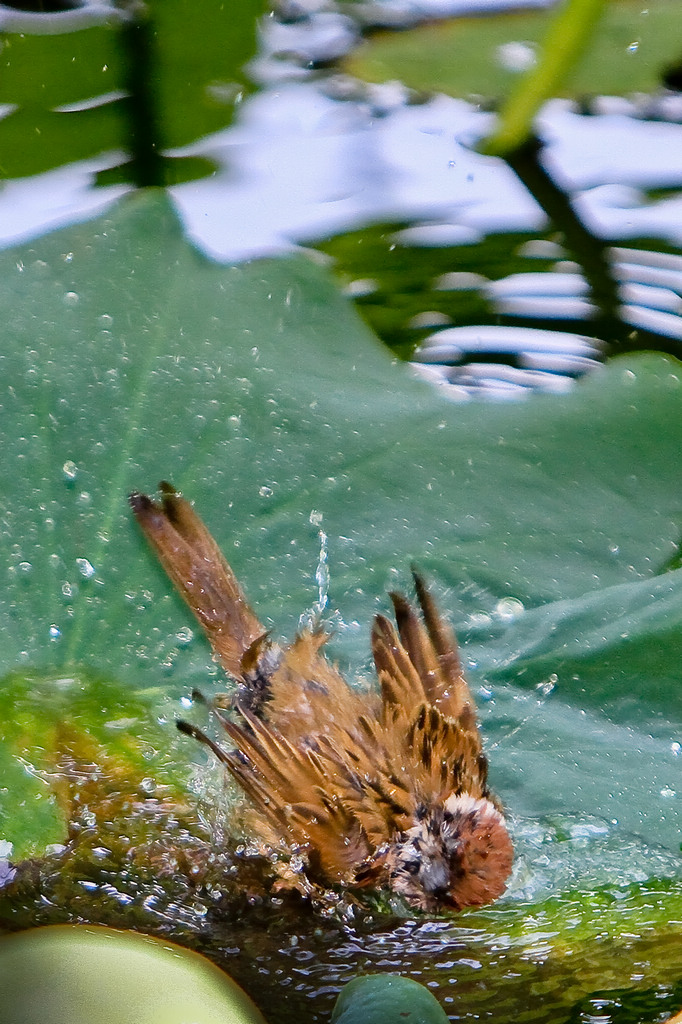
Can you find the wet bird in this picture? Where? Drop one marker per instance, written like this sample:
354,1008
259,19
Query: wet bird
387,789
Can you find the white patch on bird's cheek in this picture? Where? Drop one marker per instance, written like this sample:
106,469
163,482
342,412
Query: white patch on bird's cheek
462,805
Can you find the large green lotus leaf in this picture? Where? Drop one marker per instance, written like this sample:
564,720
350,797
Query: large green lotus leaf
129,357
630,50
195,77
615,647
201,55
38,140
46,71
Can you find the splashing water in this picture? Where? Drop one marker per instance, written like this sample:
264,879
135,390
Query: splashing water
322,575
311,617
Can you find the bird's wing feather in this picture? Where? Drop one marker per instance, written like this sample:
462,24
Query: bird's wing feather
400,682
432,649
300,793
447,758
373,782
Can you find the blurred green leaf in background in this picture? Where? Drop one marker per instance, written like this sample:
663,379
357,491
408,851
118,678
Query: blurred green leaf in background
483,57
79,93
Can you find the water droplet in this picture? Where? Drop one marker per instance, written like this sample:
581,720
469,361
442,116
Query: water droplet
85,568
297,864
361,287
67,257
548,685
70,471
633,47
55,632
54,849
676,748
322,575
479,620
69,591
25,567
509,608
71,299
667,793
105,320
265,491
515,56
184,636
84,499
148,785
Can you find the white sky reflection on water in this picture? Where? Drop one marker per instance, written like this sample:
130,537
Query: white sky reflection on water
298,166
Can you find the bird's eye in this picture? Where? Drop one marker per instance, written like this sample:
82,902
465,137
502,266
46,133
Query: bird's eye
412,867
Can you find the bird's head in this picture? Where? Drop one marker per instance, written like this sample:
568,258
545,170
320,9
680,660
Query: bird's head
457,854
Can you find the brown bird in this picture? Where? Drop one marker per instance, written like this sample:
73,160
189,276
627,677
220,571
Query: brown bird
387,789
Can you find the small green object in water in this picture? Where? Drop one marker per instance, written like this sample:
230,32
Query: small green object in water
79,974
387,999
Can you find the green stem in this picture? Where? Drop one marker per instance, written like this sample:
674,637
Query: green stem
567,38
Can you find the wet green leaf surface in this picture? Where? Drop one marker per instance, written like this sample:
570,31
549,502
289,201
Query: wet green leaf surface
546,526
